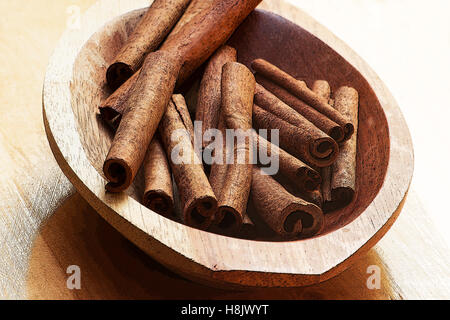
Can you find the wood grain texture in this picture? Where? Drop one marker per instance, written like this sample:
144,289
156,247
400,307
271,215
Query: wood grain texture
113,268
200,255
412,256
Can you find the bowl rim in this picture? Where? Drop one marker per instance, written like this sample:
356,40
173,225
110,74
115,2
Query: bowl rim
182,248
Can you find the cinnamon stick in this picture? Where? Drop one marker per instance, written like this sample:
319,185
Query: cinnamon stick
322,89
301,91
199,38
319,150
182,109
209,95
300,174
284,213
145,105
194,8
201,32
112,109
238,87
147,36
198,202
158,194
321,121
343,171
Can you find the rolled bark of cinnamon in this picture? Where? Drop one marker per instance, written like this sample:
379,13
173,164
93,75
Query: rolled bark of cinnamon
322,89
194,8
301,91
238,87
112,109
298,172
199,38
147,36
145,105
318,150
181,107
158,194
209,96
218,172
287,215
198,202
199,35
321,121
343,171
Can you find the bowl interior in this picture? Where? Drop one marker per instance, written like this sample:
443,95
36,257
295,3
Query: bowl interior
262,35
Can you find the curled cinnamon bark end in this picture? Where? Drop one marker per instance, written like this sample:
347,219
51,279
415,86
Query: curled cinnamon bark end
319,150
113,106
301,91
287,215
237,91
158,201
209,94
147,36
200,213
321,121
145,105
158,194
228,219
198,202
119,174
117,74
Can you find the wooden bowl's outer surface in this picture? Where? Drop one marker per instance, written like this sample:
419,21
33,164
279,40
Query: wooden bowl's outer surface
204,256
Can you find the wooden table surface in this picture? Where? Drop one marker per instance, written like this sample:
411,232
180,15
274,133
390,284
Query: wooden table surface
38,243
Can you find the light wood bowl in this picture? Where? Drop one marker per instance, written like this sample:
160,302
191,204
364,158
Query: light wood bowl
75,85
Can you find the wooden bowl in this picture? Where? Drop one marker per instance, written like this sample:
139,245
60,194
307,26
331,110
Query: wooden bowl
75,85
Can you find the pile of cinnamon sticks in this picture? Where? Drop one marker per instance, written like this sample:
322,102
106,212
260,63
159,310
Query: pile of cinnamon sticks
192,172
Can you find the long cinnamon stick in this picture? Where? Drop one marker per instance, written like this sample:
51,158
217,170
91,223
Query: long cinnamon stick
298,89
343,171
147,36
298,172
158,194
199,38
145,105
284,213
201,32
317,150
112,108
198,202
321,121
209,96
238,87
